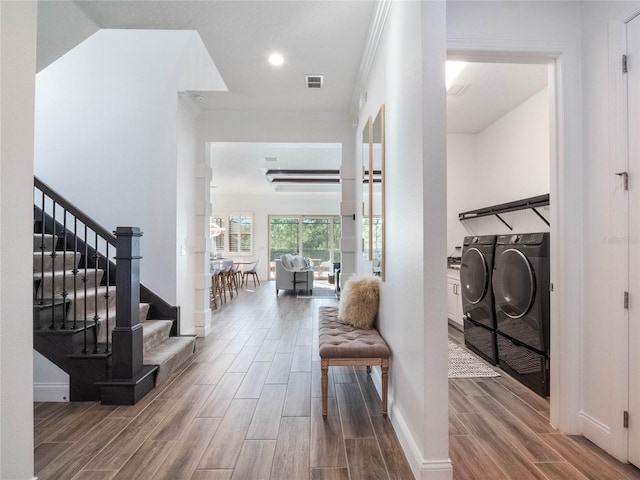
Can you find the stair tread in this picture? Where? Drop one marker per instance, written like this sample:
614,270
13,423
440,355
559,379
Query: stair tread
172,343
155,332
153,324
170,355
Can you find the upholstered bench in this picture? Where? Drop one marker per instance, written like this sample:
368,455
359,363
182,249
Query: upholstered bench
344,345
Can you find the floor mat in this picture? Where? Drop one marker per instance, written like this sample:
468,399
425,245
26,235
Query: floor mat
463,364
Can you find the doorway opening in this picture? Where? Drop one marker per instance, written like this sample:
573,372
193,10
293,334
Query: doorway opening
501,150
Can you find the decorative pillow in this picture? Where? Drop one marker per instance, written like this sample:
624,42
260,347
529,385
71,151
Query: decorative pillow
306,263
286,261
296,263
359,301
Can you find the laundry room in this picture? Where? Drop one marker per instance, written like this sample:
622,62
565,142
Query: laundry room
499,124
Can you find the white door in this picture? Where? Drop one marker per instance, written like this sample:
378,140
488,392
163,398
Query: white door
633,102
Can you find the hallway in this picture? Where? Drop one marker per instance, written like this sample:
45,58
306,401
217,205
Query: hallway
248,407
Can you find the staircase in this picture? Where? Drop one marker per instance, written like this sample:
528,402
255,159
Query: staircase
74,273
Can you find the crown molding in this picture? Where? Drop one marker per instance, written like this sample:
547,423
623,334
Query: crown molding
371,47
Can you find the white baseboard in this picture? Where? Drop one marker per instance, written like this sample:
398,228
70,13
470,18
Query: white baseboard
203,331
596,431
423,470
50,392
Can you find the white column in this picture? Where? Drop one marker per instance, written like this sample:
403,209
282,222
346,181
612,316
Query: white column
18,28
202,246
435,444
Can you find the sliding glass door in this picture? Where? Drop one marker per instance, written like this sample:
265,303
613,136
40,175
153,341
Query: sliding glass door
316,237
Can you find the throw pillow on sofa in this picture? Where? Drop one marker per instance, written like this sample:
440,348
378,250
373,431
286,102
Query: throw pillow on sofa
359,301
287,261
295,263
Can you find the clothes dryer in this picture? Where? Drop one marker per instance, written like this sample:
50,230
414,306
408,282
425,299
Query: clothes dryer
476,268
522,303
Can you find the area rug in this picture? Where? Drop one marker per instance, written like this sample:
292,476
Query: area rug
462,364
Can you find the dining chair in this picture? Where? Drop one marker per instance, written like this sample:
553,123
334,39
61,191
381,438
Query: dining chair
237,275
228,277
216,284
251,270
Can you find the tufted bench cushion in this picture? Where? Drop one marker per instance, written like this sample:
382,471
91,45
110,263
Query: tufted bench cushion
340,340
344,345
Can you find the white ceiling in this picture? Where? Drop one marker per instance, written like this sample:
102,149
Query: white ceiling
315,37
490,91
239,167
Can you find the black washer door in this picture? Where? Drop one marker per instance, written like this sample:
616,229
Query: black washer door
514,284
474,276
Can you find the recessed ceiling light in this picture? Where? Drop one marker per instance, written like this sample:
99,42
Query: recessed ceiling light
276,59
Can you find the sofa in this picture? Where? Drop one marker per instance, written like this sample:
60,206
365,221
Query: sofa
290,267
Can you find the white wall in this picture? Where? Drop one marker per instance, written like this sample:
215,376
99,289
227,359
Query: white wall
17,68
50,382
507,161
405,76
107,139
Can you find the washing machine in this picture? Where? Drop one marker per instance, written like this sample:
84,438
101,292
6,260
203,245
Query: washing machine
522,304
476,268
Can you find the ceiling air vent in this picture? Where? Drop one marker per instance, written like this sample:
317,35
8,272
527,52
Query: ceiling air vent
313,81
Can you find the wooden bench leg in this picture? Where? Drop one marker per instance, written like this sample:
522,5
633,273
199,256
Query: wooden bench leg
385,384
325,386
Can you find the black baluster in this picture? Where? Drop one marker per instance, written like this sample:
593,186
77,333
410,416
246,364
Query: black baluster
64,270
84,281
53,269
96,317
106,296
42,219
75,272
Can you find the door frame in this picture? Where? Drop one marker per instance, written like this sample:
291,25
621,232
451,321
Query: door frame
566,211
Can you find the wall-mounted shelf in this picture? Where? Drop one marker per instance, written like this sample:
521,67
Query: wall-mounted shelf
531,203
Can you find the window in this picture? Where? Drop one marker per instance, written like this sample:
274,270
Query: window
236,237
218,233
317,237
240,234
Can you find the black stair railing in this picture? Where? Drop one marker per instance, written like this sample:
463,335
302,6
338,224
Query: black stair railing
65,231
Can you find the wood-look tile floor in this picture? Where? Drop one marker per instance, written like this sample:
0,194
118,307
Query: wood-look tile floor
248,407
500,430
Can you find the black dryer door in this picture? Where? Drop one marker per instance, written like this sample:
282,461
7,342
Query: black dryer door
474,276
514,284
514,289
